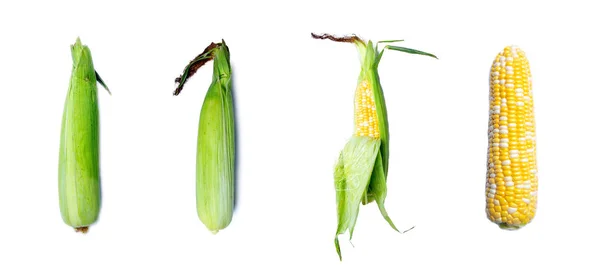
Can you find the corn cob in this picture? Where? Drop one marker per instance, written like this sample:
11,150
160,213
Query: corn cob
215,159
79,169
512,184
361,171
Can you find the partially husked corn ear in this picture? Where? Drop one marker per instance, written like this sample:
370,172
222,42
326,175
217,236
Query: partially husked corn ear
215,158
361,170
79,159
512,182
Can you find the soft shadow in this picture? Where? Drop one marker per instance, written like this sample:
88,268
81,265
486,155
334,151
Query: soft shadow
236,139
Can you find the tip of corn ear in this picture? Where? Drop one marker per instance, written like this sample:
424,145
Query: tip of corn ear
83,230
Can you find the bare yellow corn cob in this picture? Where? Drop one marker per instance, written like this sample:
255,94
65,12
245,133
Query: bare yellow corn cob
365,118
512,182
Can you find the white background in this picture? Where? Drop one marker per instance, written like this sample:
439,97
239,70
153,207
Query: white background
294,111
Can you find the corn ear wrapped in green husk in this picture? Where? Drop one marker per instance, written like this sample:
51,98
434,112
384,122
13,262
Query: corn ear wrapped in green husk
215,159
79,159
361,171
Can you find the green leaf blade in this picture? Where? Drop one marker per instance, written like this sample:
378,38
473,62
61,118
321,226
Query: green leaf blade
390,41
409,50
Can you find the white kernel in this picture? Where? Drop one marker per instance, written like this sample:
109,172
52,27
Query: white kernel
503,118
492,175
509,58
503,100
507,178
492,191
509,68
520,186
493,186
495,73
496,81
527,201
512,124
504,140
502,58
527,98
506,162
525,160
509,72
512,210
510,85
496,130
496,202
502,81
522,139
519,90
529,124
495,144
533,193
496,107
519,94
520,103
499,220
490,195
509,184
504,145
533,171
504,131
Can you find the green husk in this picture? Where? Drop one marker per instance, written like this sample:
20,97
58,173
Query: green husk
361,170
215,159
79,156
